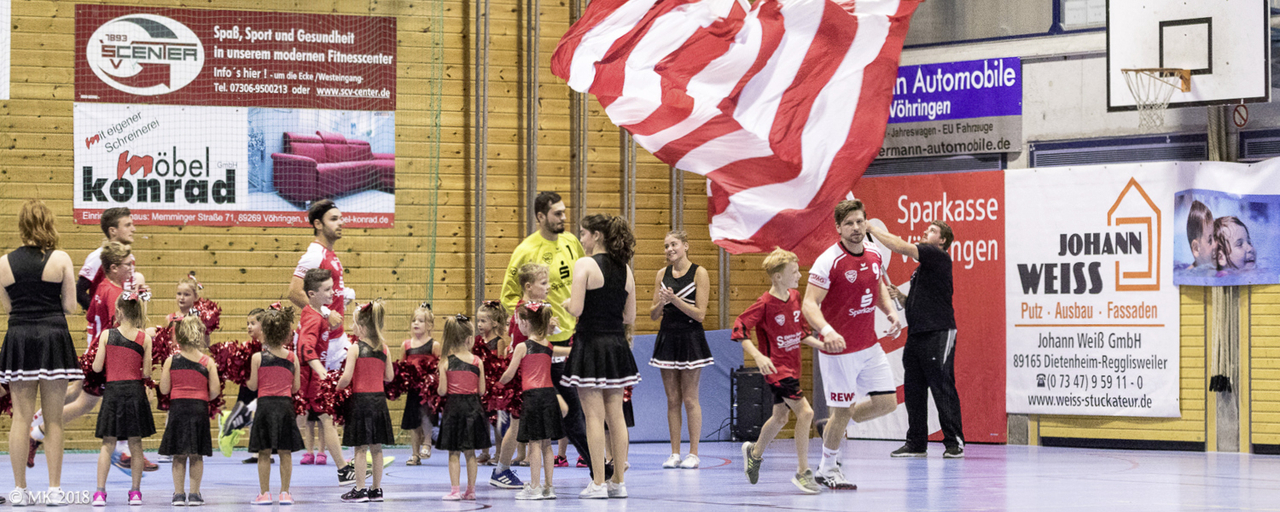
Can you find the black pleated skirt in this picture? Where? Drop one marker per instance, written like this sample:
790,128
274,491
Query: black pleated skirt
368,421
38,348
187,432
540,416
275,427
125,411
464,425
681,349
415,411
600,360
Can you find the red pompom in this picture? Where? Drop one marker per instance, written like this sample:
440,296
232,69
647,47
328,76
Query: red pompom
210,314
331,400
497,397
626,393
6,401
235,359
94,383
163,345
418,376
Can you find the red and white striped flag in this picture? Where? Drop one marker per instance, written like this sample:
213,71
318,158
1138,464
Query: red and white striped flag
782,105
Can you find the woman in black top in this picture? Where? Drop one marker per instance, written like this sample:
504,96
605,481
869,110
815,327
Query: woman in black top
39,290
680,299
600,365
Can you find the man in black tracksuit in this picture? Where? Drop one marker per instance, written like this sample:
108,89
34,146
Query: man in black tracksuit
928,360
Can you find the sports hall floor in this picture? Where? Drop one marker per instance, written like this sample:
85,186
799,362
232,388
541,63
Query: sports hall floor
989,478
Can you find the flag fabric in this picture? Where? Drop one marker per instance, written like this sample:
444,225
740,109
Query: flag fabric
782,104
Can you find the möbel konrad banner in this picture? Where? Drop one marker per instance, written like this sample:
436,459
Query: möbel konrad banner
196,117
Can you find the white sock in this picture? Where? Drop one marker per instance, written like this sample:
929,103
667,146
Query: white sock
37,420
36,433
829,458
122,447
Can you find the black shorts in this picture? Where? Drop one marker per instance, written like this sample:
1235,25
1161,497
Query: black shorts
786,389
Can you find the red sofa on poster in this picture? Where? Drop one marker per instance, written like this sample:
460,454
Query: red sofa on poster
327,165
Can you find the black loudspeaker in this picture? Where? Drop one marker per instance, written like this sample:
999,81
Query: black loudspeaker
752,403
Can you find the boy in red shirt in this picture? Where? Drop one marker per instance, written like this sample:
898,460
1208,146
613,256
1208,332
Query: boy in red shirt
780,331
313,343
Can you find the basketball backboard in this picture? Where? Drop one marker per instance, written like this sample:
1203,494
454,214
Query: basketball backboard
1225,43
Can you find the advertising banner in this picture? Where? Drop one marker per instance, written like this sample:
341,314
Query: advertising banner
972,204
956,108
193,117
1093,313
1228,225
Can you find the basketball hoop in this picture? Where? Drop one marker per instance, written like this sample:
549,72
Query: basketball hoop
1151,89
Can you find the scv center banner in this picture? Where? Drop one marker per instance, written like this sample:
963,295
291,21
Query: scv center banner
1091,308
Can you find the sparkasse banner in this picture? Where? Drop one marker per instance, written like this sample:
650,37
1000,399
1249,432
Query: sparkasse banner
1091,308
953,108
233,117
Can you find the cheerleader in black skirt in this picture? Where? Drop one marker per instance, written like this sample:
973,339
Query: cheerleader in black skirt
681,349
600,363
190,378
124,354
274,374
464,427
418,418
368,422
542,407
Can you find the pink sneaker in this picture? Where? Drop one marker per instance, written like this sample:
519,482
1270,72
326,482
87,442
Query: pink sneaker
263,499
470,495
286,498
456,495
307,459
99,499
321,460
135,497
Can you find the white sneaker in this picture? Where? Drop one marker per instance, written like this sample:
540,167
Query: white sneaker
19,497
549,492
617,490
594,492
529,492
56,497
672,462
690,462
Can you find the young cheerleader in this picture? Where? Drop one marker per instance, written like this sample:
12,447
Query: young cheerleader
490,318
190,378
241,416
124,353
542,406
187,295
420,348
274,375
368,422
464,427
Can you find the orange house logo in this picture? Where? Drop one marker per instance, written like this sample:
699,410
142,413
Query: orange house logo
1133,207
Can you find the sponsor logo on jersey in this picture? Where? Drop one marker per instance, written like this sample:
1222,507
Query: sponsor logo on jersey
867,297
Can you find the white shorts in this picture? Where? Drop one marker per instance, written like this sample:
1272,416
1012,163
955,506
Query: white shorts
845,377
336,357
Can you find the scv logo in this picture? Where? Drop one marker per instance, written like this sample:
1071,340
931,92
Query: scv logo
145,54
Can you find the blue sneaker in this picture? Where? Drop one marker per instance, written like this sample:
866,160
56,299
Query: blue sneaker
505,480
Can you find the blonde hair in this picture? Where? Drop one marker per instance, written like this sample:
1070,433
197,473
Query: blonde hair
424,310
114,253
189,333
131,310
277,326
679,234
778,260
35,225
370,319
539,321
530,272
495,311
458,335
190,281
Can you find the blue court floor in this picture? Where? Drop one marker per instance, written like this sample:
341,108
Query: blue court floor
990,478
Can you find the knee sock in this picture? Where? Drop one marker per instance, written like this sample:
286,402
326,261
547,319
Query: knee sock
829,458
36,422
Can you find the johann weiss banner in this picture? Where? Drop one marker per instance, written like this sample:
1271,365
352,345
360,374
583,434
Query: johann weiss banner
1093,316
